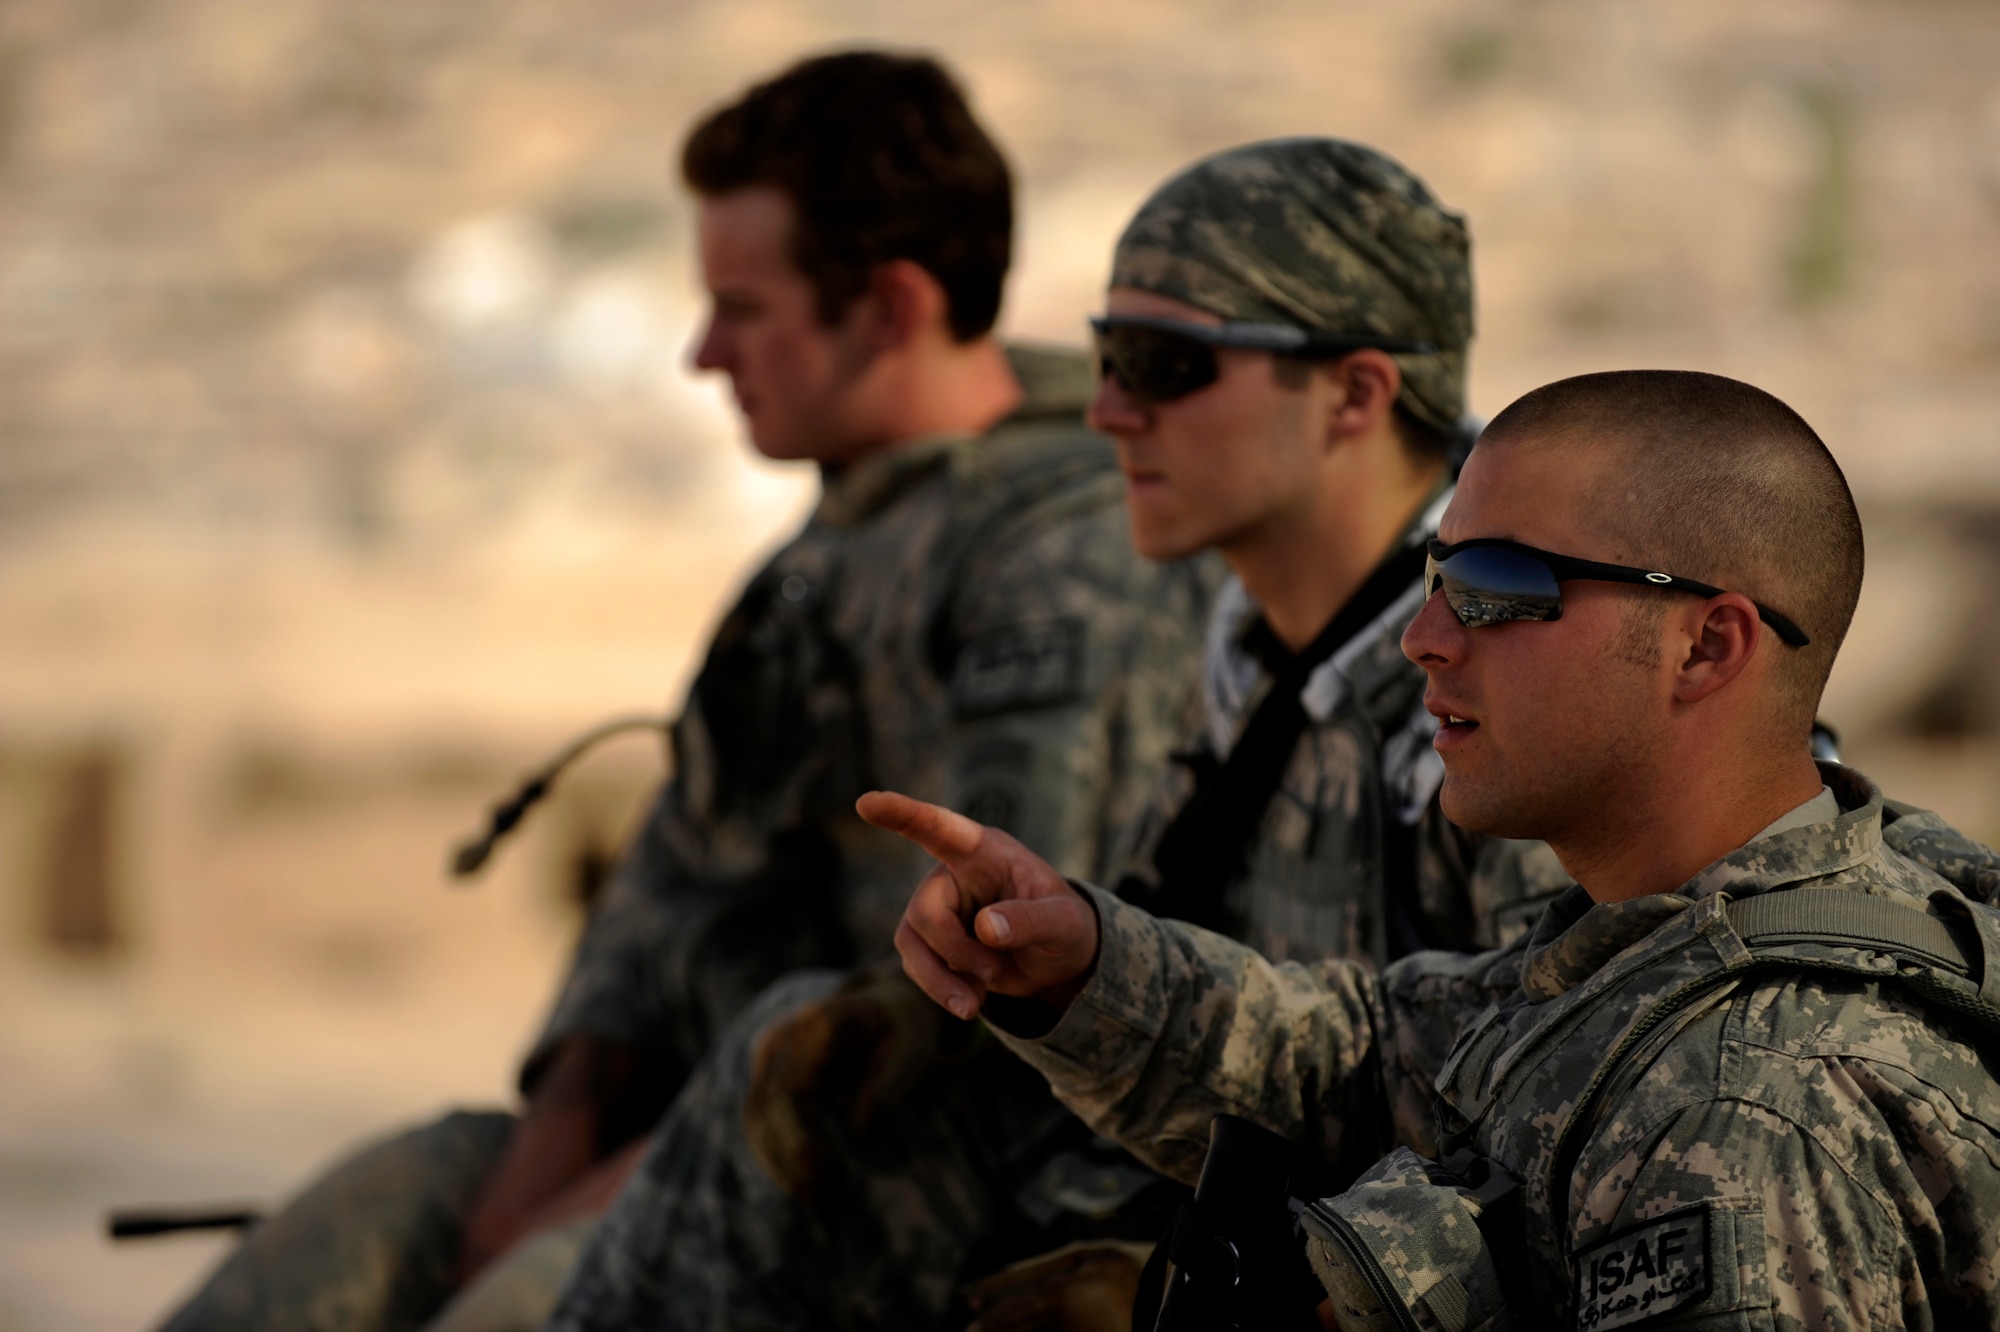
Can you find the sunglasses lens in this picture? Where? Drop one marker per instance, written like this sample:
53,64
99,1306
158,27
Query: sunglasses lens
1494,585
1154,364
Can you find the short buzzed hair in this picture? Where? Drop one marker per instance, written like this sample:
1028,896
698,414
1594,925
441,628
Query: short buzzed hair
1718,481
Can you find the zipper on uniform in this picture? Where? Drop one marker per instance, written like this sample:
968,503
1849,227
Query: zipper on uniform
1334,1228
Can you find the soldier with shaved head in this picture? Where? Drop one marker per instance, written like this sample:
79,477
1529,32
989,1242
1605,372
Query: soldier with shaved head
1743,1075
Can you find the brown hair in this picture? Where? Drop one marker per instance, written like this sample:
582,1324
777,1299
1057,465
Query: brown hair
882,160
1718,481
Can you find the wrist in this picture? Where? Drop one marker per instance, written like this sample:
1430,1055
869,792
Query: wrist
1023,1019
1060,997
1035,1014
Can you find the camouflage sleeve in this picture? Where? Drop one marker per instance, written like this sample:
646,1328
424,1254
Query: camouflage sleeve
1072,659
1178,1025
706,907
672,948
611,969
1130,869
1972,867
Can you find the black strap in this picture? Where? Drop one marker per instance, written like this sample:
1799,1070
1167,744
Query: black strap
1206,846
1843,917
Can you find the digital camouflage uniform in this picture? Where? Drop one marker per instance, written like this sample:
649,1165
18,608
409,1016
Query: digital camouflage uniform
1803,1149
705,1237
961,616
972,1163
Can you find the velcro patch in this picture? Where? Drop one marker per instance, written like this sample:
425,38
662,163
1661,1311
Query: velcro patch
1022,666
1644,1272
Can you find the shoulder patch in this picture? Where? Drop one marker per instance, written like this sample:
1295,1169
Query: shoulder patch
1644,1271
1021,666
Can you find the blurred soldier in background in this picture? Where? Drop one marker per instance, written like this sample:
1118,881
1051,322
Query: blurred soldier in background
1284,374
963,615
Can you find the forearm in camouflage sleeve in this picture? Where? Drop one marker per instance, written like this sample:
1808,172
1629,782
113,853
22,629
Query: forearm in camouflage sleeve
608,992
667,958
1178,1025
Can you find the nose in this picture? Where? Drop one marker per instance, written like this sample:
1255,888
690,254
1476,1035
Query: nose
1114,410
1435,639
711,349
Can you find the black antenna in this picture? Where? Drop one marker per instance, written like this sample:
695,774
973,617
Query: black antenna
143,1222
471,855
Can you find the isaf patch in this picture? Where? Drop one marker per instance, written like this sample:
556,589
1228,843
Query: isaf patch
1644,1272
1022,666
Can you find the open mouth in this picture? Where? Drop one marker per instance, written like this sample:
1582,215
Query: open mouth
1454,731
1453,727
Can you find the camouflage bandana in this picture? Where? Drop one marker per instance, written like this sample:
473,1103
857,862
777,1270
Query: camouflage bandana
1319,234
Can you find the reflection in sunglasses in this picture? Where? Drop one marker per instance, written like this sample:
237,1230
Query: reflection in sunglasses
1491,580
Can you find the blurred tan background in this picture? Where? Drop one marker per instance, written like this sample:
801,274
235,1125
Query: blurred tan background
348,461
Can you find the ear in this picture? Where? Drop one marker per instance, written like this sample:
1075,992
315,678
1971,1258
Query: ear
1722,641
1369,382
904,303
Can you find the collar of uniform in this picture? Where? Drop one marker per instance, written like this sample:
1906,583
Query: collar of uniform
1360,668
1373,658
1808,852
857,491
1055,382
1576,937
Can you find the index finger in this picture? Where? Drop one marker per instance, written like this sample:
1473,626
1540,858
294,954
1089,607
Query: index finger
949,836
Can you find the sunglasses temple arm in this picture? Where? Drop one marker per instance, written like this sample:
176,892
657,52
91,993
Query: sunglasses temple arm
1783,627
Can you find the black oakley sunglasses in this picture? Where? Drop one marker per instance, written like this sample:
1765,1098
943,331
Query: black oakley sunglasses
1489,580
1159,359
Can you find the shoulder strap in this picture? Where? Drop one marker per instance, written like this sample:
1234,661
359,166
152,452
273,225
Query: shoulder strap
1952,959
1842,917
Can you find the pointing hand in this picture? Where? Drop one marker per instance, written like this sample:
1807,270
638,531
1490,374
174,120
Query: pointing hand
991,917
